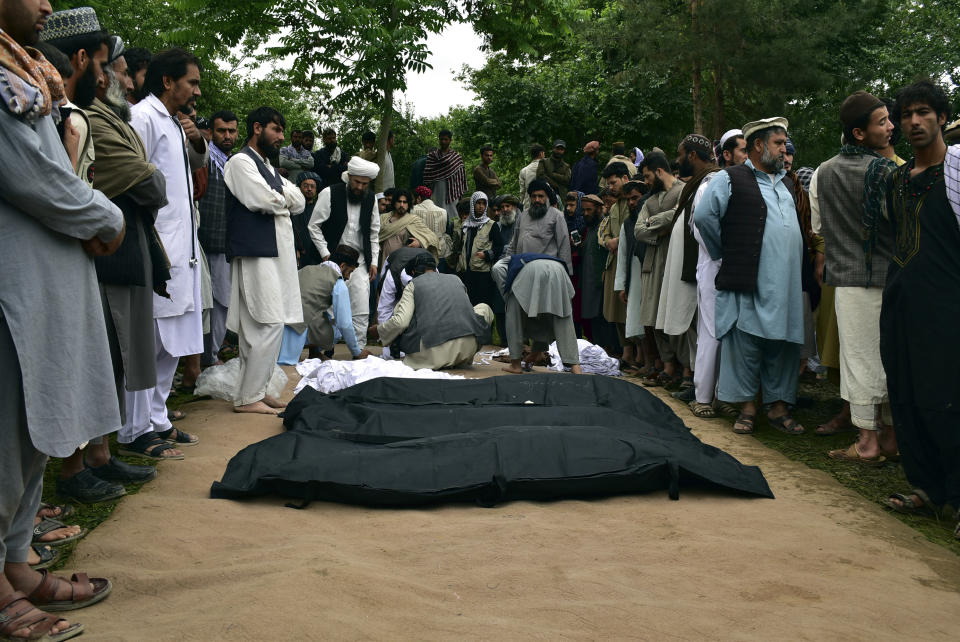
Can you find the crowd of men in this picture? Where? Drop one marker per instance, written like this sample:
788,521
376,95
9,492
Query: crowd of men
137,234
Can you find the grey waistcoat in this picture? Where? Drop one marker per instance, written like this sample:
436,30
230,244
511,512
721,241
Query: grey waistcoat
442,312
840,193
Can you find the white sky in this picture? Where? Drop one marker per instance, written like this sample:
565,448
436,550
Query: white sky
433,93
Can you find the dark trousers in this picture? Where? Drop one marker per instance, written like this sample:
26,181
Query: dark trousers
929,442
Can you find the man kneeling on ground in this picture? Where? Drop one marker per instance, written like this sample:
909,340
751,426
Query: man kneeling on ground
326,302
434,324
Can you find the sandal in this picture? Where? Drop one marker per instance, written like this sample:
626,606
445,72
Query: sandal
16,612
746,421
150,446
652,379
834,427
48,556
48,525
908,505
786,424
178,437
702,410
65,510
81,595
175,415
726,409
852,455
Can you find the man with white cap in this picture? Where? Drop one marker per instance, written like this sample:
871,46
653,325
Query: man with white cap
733,148
346,213
747,217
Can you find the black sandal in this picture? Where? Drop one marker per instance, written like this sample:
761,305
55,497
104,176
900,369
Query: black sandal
745,420
148,445
178,437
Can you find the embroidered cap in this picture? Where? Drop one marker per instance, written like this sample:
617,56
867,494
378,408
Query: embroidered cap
764,123
69,23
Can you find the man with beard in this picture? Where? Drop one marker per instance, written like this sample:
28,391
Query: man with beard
127,278
55,371
484,178
614,309
346,214
138,59
733,148
507,222
307,253
482,247
329,161
265,292
748,218
595,328
173,85
841,190
554,169
918,319
541,229
400,228
677,310
444,173
652,231
628,283
212,232
87,47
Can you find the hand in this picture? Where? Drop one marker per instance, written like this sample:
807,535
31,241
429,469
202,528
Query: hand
96,247
71,142
363,354
413,243
373,272
480,255
613,244
623,295
326,258
818,267
189,127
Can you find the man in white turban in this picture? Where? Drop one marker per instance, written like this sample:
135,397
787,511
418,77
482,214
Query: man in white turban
346,213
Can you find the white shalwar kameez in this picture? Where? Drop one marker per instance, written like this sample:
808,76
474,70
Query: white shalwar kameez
178,320
678,298
707,367
265,291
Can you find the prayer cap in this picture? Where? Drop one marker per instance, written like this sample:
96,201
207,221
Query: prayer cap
856,106
764,123
560,143
730,133
359,167
593,198
699,141
539,184
304,176
592,146
510,198
423,191
69,23
791,148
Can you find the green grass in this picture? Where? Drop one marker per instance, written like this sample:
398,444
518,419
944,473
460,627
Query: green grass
819,400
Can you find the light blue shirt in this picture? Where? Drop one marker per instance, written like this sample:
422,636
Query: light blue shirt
775,310
343,317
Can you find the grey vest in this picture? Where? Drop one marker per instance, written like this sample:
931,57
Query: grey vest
316,296
840,195
442,312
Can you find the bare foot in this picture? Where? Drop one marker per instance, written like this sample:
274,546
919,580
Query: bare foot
59,533
256,407
576,369
273,402
49,510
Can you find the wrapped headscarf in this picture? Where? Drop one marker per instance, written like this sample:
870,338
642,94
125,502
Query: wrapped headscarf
576,220
472,220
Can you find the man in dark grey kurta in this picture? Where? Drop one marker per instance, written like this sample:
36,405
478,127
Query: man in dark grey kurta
55,372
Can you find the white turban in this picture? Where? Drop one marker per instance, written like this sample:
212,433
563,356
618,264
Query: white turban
359,167
730,133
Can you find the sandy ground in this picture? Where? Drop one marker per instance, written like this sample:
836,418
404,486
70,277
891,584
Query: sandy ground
818,562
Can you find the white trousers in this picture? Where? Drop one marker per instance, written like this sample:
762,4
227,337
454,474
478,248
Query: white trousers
706,370
863,381
259,350
359,287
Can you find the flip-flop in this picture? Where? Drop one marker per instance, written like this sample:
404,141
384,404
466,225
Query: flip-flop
48,556
745,420
48,525
150,446
786,424
909,506
852,455
66,510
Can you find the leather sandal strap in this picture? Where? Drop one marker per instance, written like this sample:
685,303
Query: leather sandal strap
39,623
46,590
80,583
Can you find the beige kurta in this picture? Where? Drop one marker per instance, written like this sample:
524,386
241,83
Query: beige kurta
614,310
270,287
653,228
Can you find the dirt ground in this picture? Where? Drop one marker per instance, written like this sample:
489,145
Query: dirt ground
818,562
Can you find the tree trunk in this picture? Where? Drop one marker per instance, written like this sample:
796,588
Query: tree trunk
697,81
386,122
720,116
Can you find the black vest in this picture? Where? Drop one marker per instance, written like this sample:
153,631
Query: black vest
741,231
252,233
333,227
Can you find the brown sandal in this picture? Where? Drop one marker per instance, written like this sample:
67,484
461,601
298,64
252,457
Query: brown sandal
81,594
16,612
